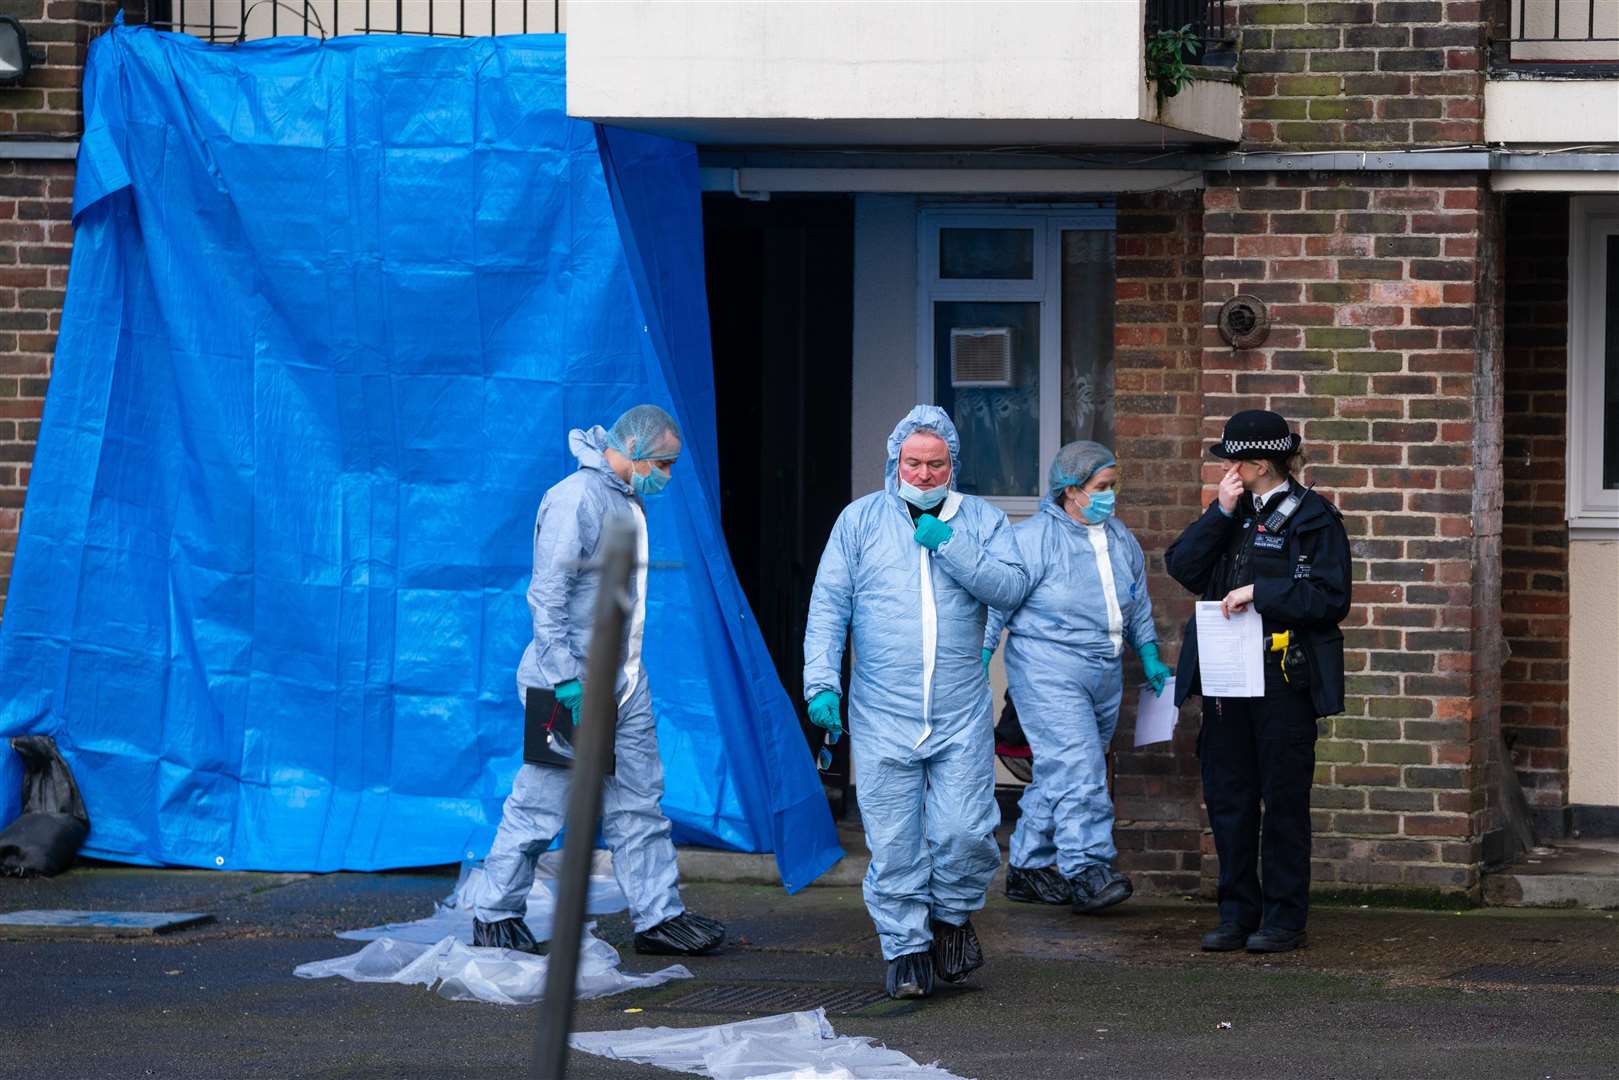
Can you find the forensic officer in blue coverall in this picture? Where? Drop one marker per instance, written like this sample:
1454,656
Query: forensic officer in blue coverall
910,571
618,470
1087,600
1269,542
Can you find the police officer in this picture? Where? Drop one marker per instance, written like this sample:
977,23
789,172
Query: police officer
1270,542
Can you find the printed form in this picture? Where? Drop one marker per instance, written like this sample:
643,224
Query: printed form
1156,715
1230,652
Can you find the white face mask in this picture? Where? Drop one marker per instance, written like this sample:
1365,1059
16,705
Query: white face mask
923,500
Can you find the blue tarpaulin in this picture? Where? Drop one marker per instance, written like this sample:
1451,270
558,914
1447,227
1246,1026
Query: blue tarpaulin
332,310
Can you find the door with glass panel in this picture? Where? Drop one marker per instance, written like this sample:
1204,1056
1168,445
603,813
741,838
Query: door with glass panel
1016,338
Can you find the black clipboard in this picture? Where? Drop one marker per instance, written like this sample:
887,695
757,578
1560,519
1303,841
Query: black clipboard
549,732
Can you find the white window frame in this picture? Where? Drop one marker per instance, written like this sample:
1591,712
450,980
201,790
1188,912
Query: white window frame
1045,288
1593,512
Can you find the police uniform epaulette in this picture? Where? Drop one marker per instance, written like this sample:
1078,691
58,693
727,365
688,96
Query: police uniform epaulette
1332,507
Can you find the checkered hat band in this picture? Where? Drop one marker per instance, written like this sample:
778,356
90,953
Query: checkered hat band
1235,446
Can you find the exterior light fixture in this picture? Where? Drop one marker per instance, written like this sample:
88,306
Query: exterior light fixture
14,59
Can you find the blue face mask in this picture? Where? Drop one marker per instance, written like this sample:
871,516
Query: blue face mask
651,484
923,500
1100,508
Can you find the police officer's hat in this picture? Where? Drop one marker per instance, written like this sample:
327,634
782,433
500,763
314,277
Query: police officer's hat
1256,434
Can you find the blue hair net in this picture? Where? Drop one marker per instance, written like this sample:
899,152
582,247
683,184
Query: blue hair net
1078,462
646,433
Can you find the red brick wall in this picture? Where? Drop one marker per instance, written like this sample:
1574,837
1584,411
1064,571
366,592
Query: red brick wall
1372,282
35,241
1394,73
35,230
1157,415
46,102
1534,606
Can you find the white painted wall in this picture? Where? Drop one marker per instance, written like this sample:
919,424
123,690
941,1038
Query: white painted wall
1593,673
884,330
967,59
1572,112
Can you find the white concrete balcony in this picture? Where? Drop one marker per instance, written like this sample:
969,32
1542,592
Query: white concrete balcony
883,73
1554,81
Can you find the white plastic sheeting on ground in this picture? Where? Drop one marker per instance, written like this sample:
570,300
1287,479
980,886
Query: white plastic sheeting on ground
438,950
791,1046
453,916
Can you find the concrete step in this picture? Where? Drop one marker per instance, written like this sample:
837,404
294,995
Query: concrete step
1577,874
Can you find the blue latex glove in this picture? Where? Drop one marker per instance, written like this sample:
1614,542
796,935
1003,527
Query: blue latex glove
987,654
931,532
1157,673
572,695
824,713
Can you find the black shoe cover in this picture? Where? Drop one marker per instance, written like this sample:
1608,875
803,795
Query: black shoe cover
1044,885
911,975
510,933
684,935
956,952
1099,886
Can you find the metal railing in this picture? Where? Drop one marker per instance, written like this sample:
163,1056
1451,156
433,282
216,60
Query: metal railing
246,20
1215,28
1563,36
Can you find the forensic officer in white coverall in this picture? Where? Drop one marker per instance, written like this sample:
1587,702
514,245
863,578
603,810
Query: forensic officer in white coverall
617,470
909,573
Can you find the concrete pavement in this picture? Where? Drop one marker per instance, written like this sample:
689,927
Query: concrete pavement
1484,993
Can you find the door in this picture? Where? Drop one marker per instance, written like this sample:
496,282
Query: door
781,307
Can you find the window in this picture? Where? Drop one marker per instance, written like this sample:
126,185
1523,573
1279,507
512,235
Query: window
1593,364
1015,333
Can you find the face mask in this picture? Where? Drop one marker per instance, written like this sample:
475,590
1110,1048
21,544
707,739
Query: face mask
1100,507
653,482
923,500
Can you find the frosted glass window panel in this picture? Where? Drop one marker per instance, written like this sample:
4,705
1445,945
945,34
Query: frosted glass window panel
986,254
1087,335
1000,427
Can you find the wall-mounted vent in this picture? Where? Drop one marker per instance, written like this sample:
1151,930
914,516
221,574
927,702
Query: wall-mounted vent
980,356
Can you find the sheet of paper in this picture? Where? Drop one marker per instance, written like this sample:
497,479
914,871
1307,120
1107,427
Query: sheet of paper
1230,660
1156,714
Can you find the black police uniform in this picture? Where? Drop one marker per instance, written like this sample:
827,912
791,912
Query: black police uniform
1262,750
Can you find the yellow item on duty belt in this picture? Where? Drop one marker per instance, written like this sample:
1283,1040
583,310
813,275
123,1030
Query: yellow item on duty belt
1278,644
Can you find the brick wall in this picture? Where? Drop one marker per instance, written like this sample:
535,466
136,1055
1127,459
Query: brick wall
1535,605
46,102
35,242
35,231
1157,417
1373,284
1394,73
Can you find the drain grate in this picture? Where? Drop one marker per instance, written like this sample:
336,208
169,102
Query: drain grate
756,997
1549,975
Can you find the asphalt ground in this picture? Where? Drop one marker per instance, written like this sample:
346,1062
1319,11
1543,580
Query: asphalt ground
1379,993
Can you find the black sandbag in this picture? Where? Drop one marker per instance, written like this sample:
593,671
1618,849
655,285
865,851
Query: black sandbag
53,825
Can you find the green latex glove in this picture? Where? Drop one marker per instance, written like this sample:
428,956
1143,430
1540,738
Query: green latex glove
931,532
572,695
824,713
1157,673
987,654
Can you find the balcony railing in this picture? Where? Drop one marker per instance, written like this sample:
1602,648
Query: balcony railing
1215,30
1567,37
245,20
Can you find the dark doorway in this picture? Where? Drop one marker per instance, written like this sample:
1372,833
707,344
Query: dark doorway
781,304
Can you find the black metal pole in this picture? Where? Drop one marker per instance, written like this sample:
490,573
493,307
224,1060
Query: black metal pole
593,744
